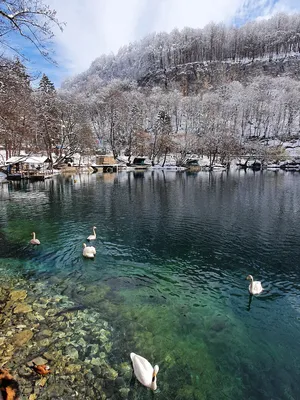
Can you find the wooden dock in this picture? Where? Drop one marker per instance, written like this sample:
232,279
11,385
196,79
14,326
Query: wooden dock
30,175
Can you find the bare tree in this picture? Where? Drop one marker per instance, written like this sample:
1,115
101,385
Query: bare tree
16,108
75,134
30,19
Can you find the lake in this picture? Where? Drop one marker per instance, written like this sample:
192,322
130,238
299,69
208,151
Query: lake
173,253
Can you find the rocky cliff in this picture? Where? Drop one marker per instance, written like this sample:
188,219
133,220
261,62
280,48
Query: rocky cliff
193,78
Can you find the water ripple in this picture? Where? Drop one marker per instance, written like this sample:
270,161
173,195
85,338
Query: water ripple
173,254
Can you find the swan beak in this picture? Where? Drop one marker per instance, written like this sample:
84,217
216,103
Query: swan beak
153,376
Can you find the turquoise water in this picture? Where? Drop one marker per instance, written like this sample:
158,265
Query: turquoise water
173,253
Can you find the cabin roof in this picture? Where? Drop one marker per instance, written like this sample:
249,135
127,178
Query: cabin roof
15,159
27,159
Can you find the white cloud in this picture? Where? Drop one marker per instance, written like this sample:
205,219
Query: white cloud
193,13
96,27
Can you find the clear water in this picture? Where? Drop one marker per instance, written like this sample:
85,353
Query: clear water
173,253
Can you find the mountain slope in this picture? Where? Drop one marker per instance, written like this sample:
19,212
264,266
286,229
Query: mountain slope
196,59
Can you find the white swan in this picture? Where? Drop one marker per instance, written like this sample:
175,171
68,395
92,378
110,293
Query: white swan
144,371
88,251
34,240
255,287
93,236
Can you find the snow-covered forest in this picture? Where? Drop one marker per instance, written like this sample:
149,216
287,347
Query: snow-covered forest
107,109
275,38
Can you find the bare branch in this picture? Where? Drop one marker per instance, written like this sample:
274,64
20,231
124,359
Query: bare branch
32,20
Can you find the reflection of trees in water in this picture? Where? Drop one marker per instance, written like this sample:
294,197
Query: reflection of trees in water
249,302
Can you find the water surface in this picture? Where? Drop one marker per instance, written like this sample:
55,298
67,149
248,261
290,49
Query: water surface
173,253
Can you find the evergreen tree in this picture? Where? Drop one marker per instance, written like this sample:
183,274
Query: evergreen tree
46,85
48,121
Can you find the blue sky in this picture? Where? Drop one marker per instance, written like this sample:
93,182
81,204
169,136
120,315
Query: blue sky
96,27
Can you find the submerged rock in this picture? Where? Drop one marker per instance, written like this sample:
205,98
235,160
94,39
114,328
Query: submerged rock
22,338
71,352
125,369
18,295
124,392
46,333
110,373
72,368
76,345
37,361
22,308
92,349
96,362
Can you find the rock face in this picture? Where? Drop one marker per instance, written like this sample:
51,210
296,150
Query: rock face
192,78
